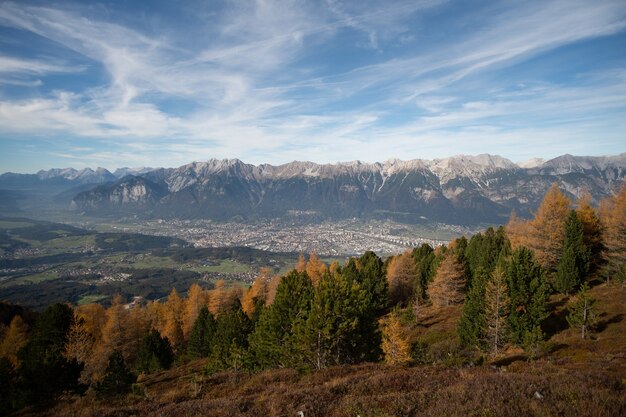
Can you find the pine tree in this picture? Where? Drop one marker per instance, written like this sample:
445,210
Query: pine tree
472,322
373,281
582,312
574,263
332,332
424,257
14,339
448,284
44,371
528,291
118,379
8,387
395,345
567,273
231,339
272,342
201,335
497,304
155,352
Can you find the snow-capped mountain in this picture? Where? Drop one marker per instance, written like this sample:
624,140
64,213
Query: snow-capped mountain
462,189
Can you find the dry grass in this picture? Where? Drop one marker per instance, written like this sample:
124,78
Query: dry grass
574,377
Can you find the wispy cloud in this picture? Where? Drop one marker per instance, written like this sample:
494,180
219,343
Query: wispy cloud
269,81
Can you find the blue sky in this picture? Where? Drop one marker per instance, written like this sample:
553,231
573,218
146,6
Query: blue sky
163,83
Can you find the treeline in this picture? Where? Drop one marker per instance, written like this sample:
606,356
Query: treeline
322,315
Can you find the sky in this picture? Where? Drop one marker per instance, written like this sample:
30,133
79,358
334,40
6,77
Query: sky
164,83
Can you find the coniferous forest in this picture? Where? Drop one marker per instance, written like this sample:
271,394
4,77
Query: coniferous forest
521,319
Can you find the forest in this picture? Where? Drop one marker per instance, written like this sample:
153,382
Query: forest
499,294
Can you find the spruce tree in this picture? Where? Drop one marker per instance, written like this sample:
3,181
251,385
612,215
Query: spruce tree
118,379
528,290
155,352
424,258
567,273
373,282
582,312
202,333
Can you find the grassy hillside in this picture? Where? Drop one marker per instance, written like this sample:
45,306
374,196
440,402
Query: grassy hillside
571,377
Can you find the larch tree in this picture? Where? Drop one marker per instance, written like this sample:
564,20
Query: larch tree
518,231
401,277
301,264
14,339
592,230
315,268
195,300
174,320
449,283
218,297
395,345
497,307
257,293
80,341
547,229
613,218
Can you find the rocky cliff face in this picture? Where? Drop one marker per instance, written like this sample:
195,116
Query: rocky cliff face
458,190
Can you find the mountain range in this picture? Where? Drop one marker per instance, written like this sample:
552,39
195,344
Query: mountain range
457,190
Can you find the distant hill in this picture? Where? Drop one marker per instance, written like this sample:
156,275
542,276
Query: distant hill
462,189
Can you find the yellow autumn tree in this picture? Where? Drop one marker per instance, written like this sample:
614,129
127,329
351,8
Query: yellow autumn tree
517,231
257,291
401,277
217,297
395,344
334,267
301,264
173,329
196,298
315,268
15,337
449,282
592,228
271,289
613,218
547,229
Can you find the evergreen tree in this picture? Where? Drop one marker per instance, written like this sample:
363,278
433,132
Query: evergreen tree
528,290
567,273
424,257
202,334
333,334
472,323
8,387
574,263
118,379
155,352
373,282
45,373
231,338
272,342
582,313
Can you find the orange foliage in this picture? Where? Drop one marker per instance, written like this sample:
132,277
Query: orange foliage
315,268
447,286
